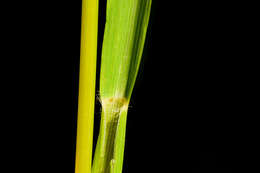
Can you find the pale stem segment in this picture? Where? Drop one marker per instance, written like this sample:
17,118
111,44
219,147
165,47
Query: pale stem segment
110,147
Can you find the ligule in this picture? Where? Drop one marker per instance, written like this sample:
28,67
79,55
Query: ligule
123,43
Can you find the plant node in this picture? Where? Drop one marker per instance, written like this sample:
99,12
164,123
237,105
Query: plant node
113,106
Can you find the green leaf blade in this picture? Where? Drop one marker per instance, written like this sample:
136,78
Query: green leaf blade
123,43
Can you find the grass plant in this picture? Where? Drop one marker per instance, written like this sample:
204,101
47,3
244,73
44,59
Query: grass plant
124,37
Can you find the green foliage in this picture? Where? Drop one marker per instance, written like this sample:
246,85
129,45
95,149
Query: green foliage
124,37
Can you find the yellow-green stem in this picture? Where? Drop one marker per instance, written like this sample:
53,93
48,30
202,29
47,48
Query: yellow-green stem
87,78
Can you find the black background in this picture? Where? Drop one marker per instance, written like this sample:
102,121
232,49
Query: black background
181,115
